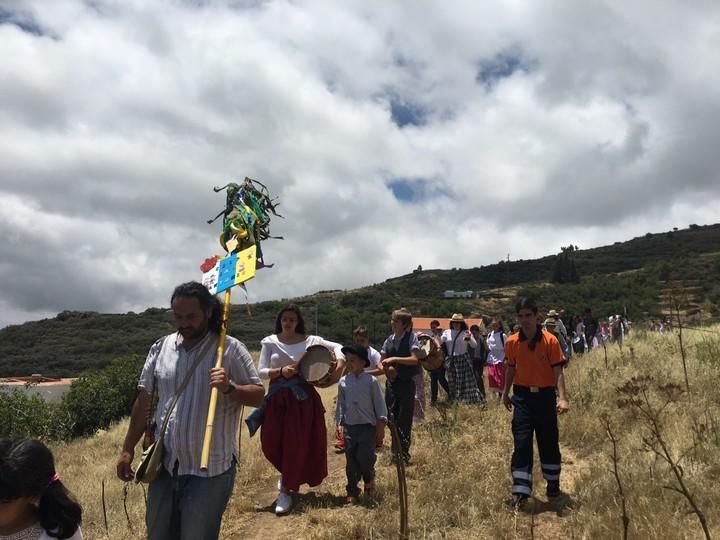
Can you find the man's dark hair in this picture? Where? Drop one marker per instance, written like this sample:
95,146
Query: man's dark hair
300,328
526,303
193,289
434,322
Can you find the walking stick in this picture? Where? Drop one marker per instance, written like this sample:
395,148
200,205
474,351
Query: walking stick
396,447
402,483
246,221
205,456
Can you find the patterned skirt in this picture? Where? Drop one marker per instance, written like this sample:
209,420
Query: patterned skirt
461,377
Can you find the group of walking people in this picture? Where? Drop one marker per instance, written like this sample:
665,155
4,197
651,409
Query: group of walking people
187,501
467,351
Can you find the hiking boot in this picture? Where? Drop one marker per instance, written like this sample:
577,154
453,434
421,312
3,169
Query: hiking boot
369,491
517,502
553,490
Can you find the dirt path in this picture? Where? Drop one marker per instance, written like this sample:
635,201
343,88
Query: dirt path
544,520
265,525
540,520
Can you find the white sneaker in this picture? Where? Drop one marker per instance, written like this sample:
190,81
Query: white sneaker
283,504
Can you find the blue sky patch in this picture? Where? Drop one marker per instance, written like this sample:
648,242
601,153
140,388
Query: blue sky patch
404,113
410,190
502,65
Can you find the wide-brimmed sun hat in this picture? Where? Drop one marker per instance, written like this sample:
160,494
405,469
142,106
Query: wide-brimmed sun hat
457,317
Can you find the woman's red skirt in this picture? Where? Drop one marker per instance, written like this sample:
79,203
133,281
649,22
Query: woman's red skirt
294,437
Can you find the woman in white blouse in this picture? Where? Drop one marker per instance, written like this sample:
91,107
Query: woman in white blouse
293,435
496,357
461,376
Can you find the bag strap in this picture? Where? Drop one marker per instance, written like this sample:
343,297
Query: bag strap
454,341
182,387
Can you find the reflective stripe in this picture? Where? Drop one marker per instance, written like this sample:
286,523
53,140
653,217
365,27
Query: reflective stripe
522,475
550,467
551,476
525,490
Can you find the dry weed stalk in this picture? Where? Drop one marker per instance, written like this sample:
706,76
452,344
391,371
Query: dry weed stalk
616,460
104,507
676,307
125,496
638,394
604,346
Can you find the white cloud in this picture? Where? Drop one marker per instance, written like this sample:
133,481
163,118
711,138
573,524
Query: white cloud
115,125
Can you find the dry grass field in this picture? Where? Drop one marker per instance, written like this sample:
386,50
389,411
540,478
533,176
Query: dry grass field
460,472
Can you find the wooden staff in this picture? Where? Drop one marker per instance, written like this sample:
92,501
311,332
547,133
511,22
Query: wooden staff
214,392
402,483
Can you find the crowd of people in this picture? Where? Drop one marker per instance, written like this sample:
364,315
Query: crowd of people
524,373
523,368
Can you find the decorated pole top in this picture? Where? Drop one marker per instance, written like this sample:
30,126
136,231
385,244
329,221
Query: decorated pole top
246,222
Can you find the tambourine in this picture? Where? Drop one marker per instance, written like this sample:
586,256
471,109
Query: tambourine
430,356
317,365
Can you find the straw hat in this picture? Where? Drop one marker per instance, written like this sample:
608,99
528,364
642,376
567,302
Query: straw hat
457,317
550,321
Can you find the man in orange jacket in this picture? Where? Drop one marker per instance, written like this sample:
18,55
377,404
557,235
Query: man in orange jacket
534,361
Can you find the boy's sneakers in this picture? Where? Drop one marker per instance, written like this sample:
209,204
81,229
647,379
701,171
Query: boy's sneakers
340,444
369,490
350,500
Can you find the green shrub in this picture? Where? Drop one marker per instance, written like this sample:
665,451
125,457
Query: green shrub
96,400
23,415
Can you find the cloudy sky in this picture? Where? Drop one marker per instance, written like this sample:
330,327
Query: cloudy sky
394,133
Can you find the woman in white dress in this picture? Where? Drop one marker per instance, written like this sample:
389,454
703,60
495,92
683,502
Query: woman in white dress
293,435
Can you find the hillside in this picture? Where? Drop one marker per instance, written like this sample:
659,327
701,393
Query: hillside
642,275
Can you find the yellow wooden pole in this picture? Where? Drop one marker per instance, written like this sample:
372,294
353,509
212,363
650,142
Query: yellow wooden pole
205,457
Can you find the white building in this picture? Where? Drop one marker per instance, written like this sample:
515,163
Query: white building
458,294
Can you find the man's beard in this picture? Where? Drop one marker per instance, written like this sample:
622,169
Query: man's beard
194,333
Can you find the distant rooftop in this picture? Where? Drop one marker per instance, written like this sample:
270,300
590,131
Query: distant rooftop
423,323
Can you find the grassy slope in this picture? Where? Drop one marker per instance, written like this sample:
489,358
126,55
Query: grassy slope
629,274
461,470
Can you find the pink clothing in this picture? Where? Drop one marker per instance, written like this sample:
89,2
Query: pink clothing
496,376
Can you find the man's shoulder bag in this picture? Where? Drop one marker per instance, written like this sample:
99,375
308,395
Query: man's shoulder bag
152,457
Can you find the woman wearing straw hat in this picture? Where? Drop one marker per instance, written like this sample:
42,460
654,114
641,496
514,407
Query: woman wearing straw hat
457,339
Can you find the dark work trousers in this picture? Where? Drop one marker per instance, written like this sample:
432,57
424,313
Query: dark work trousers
438,376
359,456
478,368
400,400
534,412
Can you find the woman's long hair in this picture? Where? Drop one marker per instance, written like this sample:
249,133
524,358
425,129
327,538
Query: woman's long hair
498,321
27,469
193,289
299,328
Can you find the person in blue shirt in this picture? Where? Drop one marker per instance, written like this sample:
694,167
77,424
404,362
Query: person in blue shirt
362,412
